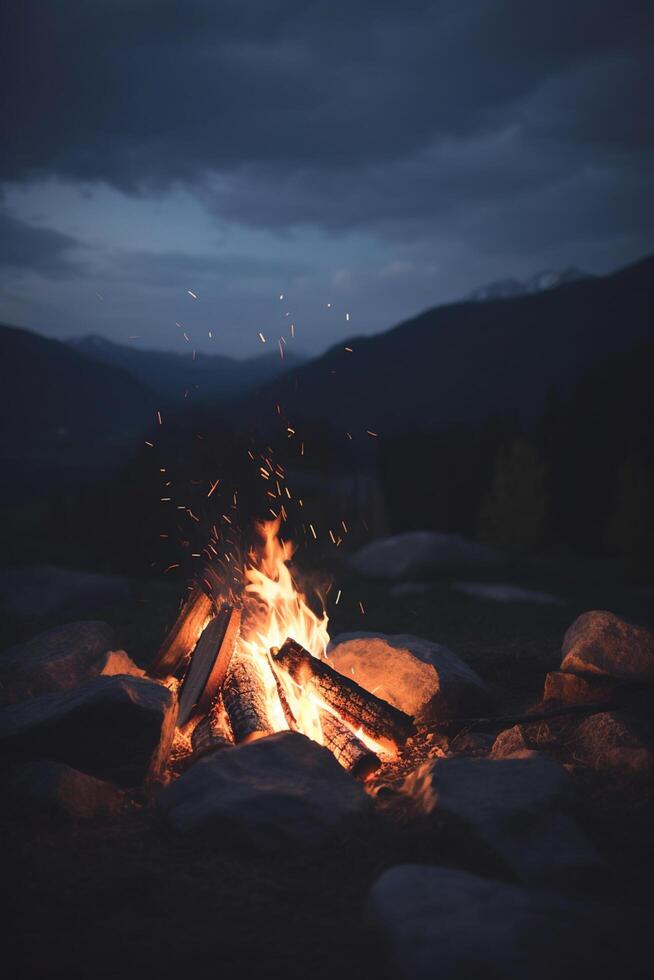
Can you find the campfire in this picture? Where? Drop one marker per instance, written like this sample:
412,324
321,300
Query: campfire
255,662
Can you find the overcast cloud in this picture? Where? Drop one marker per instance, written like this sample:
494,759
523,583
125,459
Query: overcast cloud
379,157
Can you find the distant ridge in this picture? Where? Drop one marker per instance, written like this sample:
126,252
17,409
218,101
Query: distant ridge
466,362
214,377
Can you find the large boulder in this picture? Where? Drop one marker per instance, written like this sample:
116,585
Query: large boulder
118,728
424,679
601,643
612,741
406,555
53,788
448,924
512,810
59,659
281,789
45,590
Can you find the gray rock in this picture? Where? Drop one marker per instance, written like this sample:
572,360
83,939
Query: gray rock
43,590
611,741
59,659
118,728
282,788
448,924
53,788
406,555
424,679
601,643
513,809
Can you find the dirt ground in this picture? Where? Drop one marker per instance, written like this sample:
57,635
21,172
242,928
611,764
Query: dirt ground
123,897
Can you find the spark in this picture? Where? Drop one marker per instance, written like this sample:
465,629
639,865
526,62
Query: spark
363,611
191,294
348,349
210,335
347,317
150,444
292,330
313,531
370,433
213,487
338,597
159,417
281,296
262,338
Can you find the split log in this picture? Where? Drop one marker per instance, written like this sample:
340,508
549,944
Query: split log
181,639
214,731
245,699
380,720
209,662
350,751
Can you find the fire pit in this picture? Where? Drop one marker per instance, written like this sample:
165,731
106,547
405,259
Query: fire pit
254,662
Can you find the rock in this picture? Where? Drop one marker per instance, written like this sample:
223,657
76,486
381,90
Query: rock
448,924
424,679
406,555
512,809
471,744
59,659
503,592
43,590
118,728
511,741
118,662
281,789
601,643
575,689
613,741
55,788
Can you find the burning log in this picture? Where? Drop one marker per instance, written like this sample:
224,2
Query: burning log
214,731
183,636
244,694
348,749
359,708
209,663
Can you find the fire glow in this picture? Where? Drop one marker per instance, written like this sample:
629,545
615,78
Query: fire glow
257,664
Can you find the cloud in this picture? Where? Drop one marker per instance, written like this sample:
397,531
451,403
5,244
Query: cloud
24,247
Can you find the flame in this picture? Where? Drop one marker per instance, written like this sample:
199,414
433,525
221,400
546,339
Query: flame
275,610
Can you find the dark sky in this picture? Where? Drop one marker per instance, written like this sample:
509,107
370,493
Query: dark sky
380,157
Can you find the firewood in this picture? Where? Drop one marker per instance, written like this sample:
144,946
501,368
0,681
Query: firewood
350,751
379,720
245,699
183,636
214,731
209,662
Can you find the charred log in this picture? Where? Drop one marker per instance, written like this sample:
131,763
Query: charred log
209,663
214,731
350,751
184,634
380,720
245,699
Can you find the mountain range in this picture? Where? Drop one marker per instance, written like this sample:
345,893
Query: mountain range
214,376
462,363
75,407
